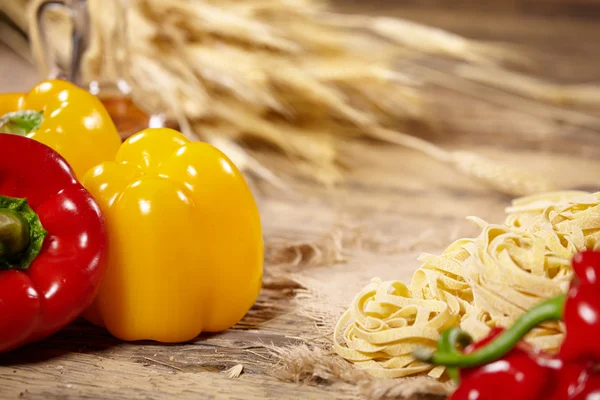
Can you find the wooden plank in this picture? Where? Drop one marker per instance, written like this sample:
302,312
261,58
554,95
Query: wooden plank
93,376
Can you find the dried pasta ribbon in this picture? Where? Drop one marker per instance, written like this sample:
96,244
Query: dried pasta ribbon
385,324
477,284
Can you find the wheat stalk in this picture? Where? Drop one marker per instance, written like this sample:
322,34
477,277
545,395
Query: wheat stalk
423,38
587,95
287,72
502,178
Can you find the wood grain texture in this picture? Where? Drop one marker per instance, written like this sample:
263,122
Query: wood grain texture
390,190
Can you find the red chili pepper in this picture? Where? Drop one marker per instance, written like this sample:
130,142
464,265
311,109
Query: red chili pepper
526,374
502,366
573,381
582,311
52,243
516,376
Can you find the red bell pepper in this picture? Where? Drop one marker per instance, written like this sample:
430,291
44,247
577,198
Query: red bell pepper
502,366
52,243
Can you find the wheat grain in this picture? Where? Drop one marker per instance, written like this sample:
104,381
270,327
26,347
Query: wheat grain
510,181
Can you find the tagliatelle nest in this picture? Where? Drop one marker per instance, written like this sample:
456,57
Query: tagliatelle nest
289,73
477,284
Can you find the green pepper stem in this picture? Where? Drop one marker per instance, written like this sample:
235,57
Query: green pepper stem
21,122
14,233
448,355
21,234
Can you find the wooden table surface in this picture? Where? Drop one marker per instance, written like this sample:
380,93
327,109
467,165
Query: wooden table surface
389,189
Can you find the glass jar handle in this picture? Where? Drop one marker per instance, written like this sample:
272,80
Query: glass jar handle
78,13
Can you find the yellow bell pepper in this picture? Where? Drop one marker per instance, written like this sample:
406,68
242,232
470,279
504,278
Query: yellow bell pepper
185,239
69,119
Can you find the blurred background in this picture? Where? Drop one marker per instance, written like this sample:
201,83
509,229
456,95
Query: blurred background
288,88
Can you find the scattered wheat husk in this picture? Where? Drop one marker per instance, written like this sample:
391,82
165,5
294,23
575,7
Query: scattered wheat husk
304,364
310,364
235,371
290,74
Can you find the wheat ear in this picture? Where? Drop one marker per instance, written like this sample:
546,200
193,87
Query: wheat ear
505,179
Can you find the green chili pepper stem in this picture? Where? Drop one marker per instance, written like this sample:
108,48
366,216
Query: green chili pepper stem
21,122
447,355
448,344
